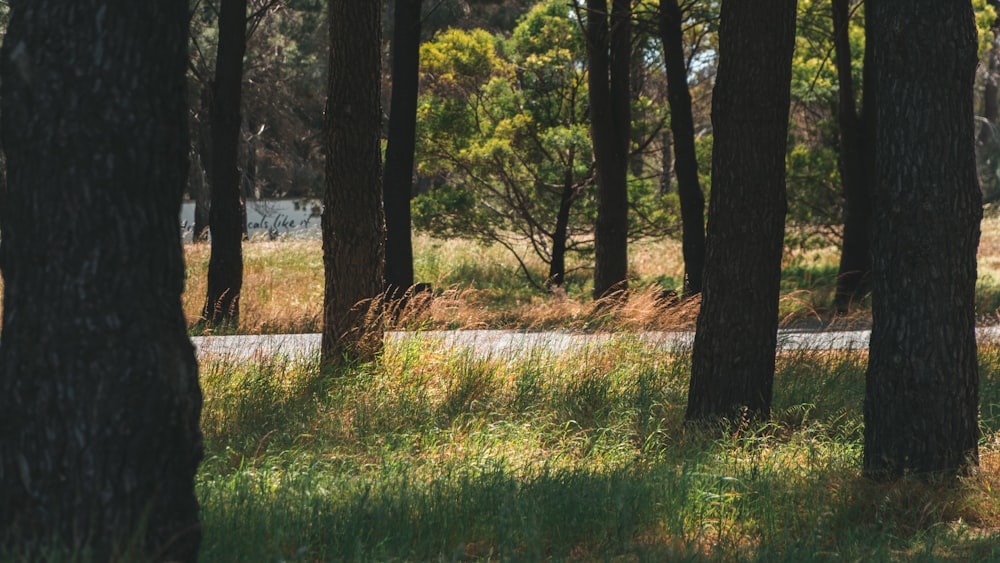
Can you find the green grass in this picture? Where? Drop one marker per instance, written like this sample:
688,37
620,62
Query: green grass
434,455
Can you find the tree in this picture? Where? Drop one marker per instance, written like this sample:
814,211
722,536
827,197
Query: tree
987,140
922,391
856,164
692,199
353,219
400,146
99,396
226,224
609,55
504,125
733,358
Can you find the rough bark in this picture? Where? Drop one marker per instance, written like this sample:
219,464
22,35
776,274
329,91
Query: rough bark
226,224
856,163
99,396
401,144
353,220
922,391
733,358
692,199
609,53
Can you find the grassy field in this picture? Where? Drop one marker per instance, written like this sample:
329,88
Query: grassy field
482,287
429,455
434,455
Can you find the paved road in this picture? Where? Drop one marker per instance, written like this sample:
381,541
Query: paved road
501,343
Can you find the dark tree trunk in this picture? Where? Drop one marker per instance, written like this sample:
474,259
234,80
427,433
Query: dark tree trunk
353,220
203,200
398,179
609,53
667,164
856,163
991,87
225,267
991,91
200,192
99,396
733,358
988,150
560,236
685,162
922,392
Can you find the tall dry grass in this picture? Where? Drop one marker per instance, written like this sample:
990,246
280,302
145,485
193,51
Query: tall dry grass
477,286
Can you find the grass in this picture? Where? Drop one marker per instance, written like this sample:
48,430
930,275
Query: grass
436,455
482,287
433,454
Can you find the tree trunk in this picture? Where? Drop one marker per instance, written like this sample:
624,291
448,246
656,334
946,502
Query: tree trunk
922,392
991,86
988,150
203,200
856,163
733,358
400,147
609,53
353,220
560,236
685,162
99,396
225,267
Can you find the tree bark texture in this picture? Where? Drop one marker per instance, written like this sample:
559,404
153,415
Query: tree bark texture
353,219
401,144
922,391
609,55
856,163
225,266
99,396
733,358
689,192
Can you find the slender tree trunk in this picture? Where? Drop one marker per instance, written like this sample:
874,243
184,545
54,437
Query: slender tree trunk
225,267
685,162
856,163
987,146
353,220
922,392
609,51
667,164
991,87
203,200
560,236
733,358
401,145
99,396
200,192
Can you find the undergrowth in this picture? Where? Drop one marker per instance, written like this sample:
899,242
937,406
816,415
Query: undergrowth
435,454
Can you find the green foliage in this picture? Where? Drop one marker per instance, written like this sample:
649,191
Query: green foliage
504,129
504,137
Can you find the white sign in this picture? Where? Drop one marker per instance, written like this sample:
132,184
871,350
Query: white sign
270,219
